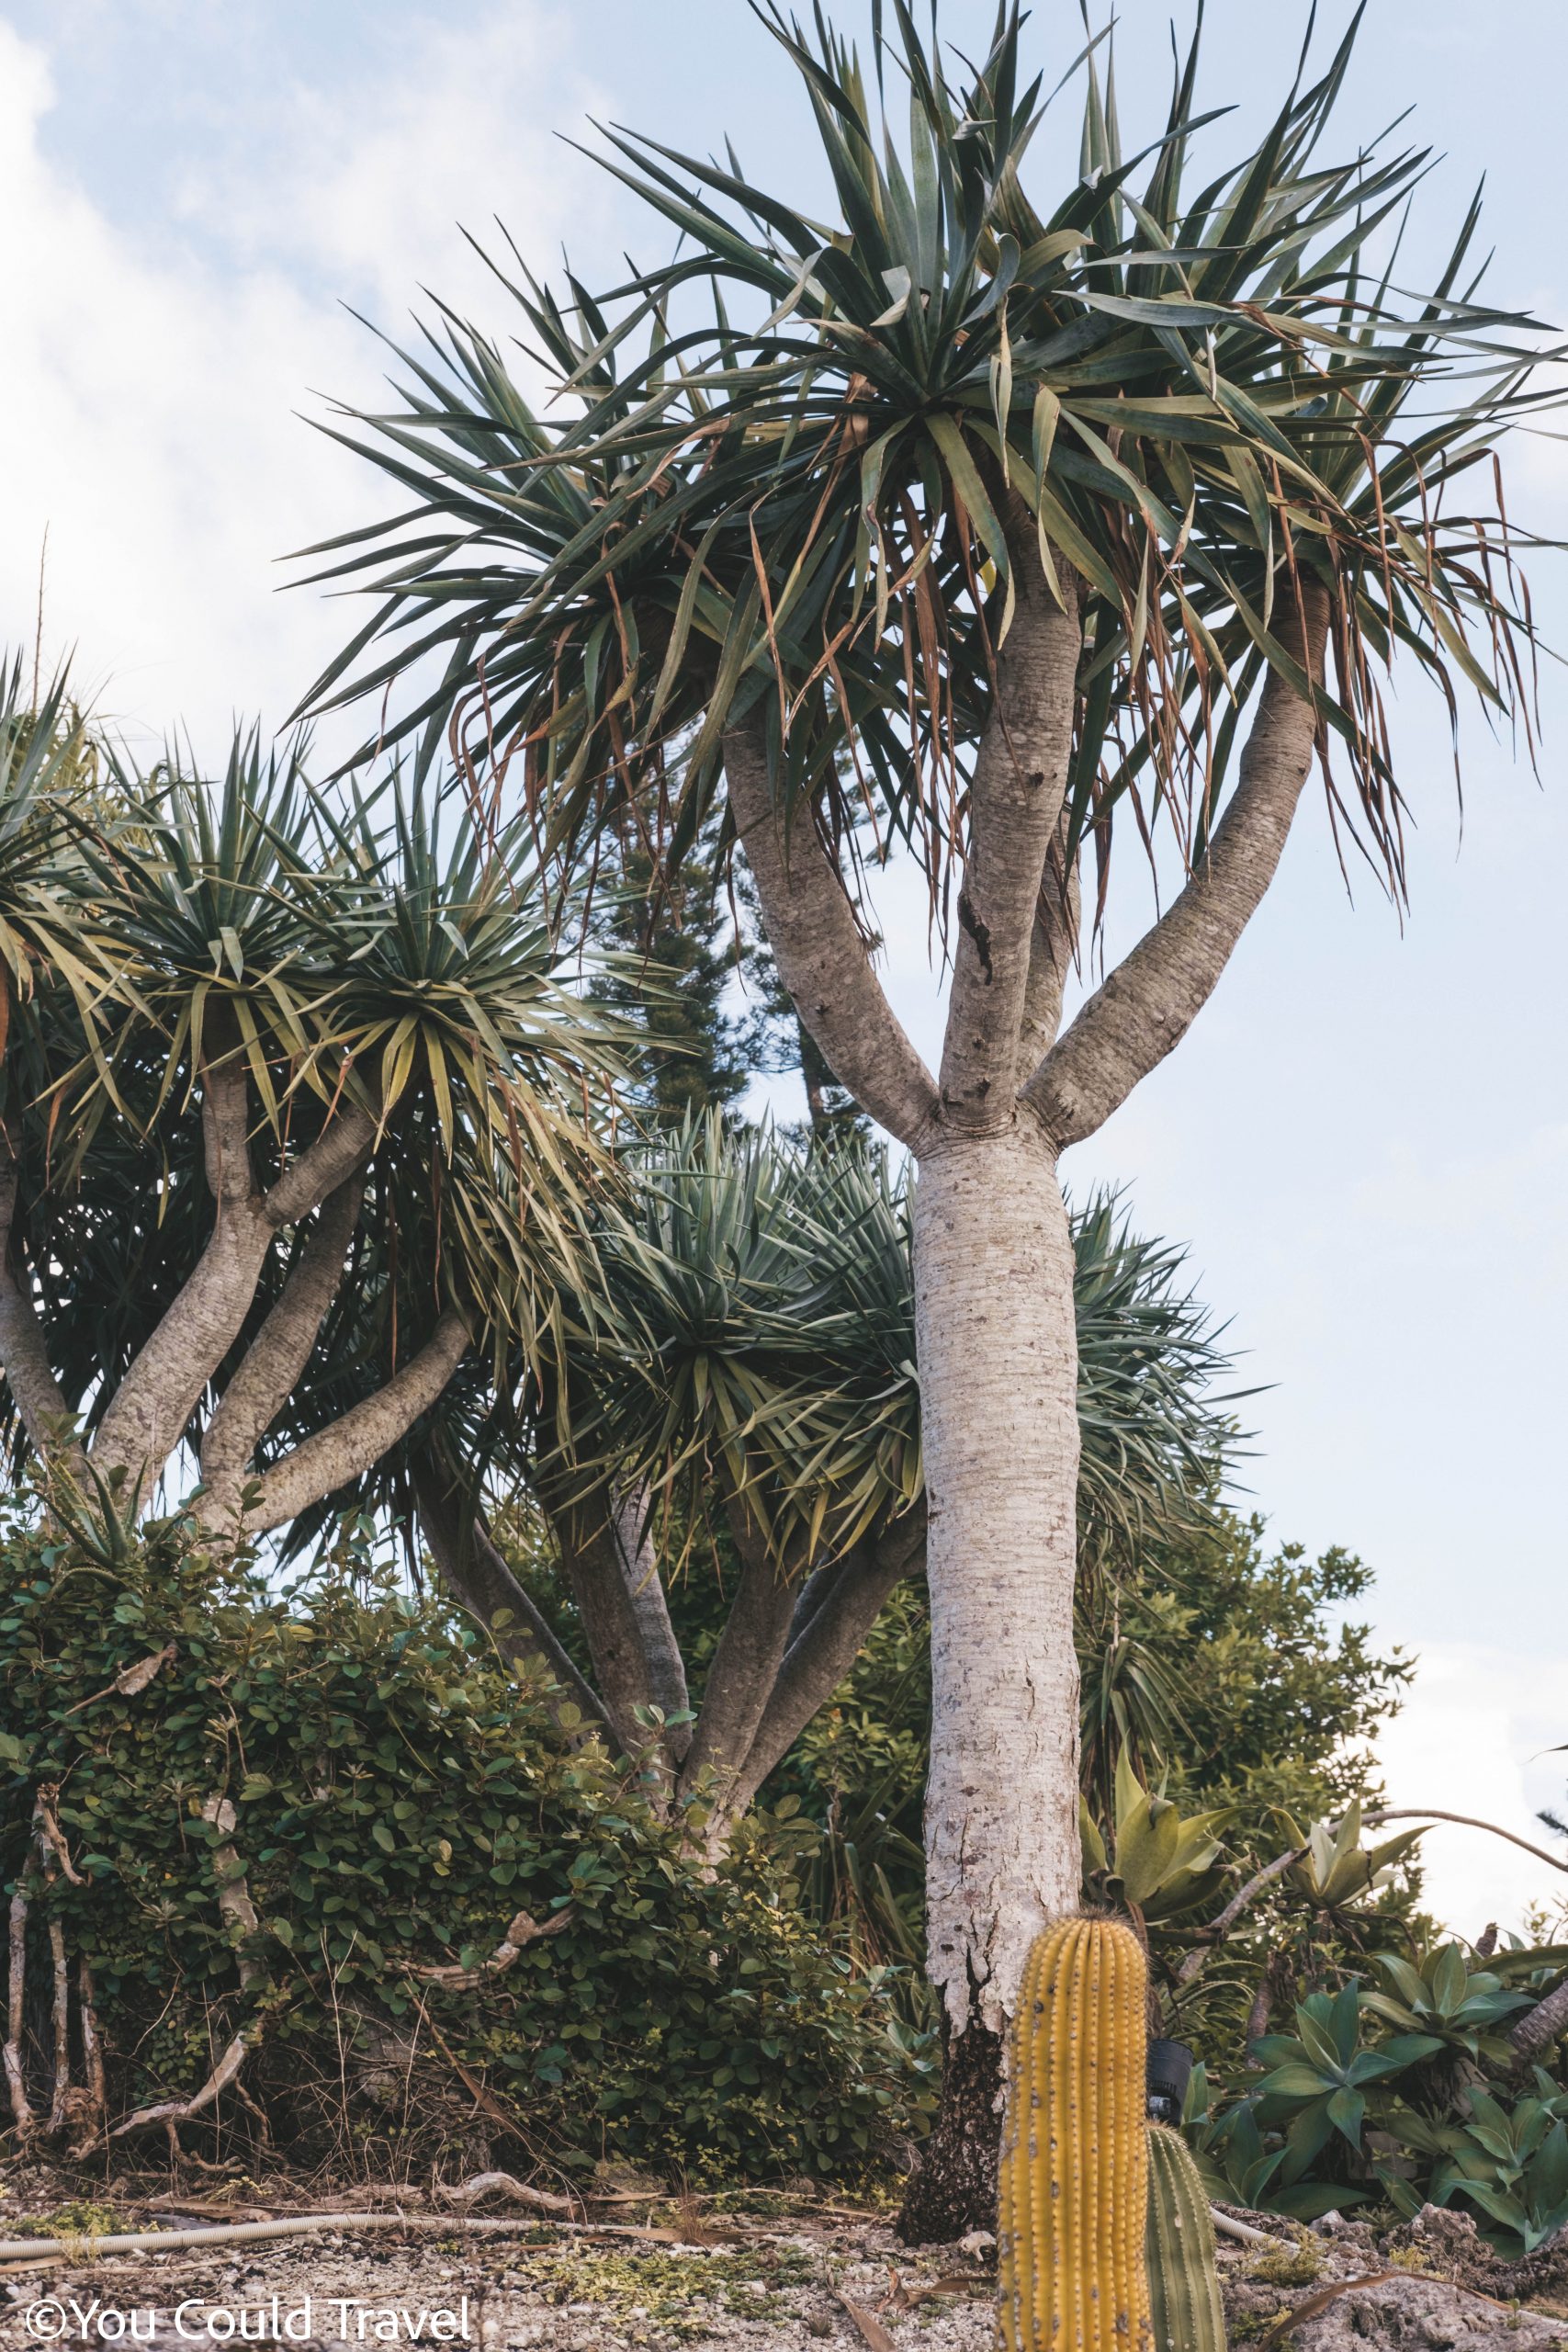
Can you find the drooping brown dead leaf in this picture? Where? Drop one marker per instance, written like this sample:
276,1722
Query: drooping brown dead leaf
870,2328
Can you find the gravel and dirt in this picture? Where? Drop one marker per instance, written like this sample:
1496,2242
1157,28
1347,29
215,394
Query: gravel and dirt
782,2271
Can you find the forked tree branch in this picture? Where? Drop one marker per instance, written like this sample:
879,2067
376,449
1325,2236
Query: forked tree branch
151,1411
744,1669
1153,996
277,1355
1015,804
821,957
356,1443
824,1648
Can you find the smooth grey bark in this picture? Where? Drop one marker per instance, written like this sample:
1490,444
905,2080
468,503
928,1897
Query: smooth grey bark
742,1673
1149,1003
818,946
356,1443
999,1433
276,1357
478,1577
1015,807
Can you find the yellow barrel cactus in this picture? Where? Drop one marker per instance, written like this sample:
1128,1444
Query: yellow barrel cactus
1074,2190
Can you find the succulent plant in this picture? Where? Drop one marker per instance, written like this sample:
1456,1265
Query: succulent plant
1075,2161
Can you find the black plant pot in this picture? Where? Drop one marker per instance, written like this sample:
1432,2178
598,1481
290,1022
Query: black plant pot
1169,2069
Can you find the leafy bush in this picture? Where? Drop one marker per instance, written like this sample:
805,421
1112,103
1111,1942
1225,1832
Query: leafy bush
397,1800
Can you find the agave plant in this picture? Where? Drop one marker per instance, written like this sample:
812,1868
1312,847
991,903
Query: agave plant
1445,1997
1509,2159
1318,2076
1160,1861
1336,1869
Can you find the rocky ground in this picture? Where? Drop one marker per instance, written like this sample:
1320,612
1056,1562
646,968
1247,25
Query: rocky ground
716,2275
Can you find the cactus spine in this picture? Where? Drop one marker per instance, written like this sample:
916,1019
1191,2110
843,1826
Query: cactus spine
1074,2165
1184,2282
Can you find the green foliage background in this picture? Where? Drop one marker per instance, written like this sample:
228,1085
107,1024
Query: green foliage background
399,1800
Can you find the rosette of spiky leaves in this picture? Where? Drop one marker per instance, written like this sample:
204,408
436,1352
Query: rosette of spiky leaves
204,884
460,1004
1510,2161
1336,1870
1160,1862
1439,1993
49,771
371,952
751,1314
1318,2078
810,457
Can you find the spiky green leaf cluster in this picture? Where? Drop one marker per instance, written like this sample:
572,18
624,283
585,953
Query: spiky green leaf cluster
752,1315
807,458
372,950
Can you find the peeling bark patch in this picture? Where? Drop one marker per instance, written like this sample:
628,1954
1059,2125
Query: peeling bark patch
980,932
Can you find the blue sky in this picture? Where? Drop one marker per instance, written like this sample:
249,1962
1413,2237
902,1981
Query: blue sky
1366,1139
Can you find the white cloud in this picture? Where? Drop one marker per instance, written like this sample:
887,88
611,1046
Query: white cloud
1470,1739
149,396
370,193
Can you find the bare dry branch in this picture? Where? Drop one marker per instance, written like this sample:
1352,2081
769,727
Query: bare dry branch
502,2184
59,2106
239,1913
524,1930
51,1836
16,2080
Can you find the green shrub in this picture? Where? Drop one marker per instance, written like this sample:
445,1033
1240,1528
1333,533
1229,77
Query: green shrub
397,1800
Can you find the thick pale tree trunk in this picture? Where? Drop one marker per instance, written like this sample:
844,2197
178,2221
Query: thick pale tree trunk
999,1379
994,1274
